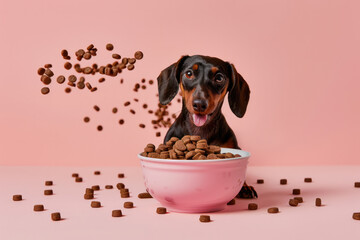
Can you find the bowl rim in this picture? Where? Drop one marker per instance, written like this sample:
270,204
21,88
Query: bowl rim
244,155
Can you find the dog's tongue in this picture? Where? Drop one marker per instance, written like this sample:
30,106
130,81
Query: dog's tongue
199,120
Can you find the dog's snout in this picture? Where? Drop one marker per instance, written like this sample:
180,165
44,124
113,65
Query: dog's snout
200,105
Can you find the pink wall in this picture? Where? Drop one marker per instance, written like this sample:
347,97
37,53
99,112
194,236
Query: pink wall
300,58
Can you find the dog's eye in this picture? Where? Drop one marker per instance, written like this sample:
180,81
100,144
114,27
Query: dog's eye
219,78
189,74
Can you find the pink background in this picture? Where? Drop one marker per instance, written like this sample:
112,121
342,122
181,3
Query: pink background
300,58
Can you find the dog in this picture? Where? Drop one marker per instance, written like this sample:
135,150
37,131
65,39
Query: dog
204,82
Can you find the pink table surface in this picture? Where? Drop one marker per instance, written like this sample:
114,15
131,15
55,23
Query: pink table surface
333,184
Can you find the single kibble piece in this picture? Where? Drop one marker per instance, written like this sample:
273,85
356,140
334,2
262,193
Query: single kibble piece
318,202
142,125
356,215
138,55
232,202
121,121
48,183
132,60
132,111
130,67
88,85
60,79
87,55
299,199
126,103
75,175
89,190
116,213
80,85
120,186
97,172
101,80
204,218
357,184
64,53
307,179
124,194
17,197
56,216
78,179
86,119
283,181
116,56
109,47
121,175
161,210
48,65
144,195
114,110
67,65
252,206
91,46
108,186
95,187
72,78
293,202
41,71
99,128
96,108
158,134
38,208
48,192
273,210
95,204
88,196
128,204
45,90
296,191
45,79
93,89
67,90
260,181
48,72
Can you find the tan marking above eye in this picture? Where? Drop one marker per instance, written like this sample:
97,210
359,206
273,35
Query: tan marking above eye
214,69
195,67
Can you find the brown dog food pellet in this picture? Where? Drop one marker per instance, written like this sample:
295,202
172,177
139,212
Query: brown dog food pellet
144,195
124,194
120,186
95,187
64,53
299,199
158,134
67,90
142,125
56,216
87,55
97,172
88,85
296,191
60,79
45,90
72,78
132,111
91,46
67,65
93,89
17,197
48,183
138,55
128,204
273,210
78,179
45,79
41,71
121,121
204,218
114,110
101,80
89,191
318,202
130,67
95,204
75,175
96,108
116,213
86,119
48,65
260,181
252,206
109,47
99,128
283,181
80,85
293,202
161,210
48,72
356,215
38,208
357,184
231,202
48,192
88,196
121,175
151,82
307,179
126,103
109,187
116,56
71,84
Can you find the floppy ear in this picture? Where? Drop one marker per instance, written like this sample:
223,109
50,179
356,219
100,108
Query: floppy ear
168,81
239,93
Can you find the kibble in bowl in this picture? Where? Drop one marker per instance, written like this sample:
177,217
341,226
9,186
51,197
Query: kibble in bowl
195,186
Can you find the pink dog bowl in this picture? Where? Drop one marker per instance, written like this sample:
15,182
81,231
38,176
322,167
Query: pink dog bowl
195,186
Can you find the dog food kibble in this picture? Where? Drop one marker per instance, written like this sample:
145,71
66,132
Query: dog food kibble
67,90
121,175
204,218
99,128
86,119
17,197
48,72
357,184
95,187
121,121
89,191
64,53
356,215
252,206
48,192
116,56
283,181
48,183
60,79
120,186
96,108
46,79
130,67
296,191
260,181
56,216
307,179
293,202
67,65
142,125
231,202
97,172
48,65
95,204
88,196
273,210
116,213
144,195
138,55
109,187
41,71
75,175
158,134
124,194
109,47
78,179
126,103
161,210
128,204
318,202
45,90
132,111
38,208
299,199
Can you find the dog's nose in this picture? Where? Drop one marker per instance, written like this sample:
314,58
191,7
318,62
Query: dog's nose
199,105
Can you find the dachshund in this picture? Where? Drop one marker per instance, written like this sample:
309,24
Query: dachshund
204,82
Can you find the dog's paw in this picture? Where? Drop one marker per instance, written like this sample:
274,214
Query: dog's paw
247,192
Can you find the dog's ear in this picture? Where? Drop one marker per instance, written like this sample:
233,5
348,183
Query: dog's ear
239,93
168,81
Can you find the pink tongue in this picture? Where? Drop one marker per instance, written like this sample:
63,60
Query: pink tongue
199,120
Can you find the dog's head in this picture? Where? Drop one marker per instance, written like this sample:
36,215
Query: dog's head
204,82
